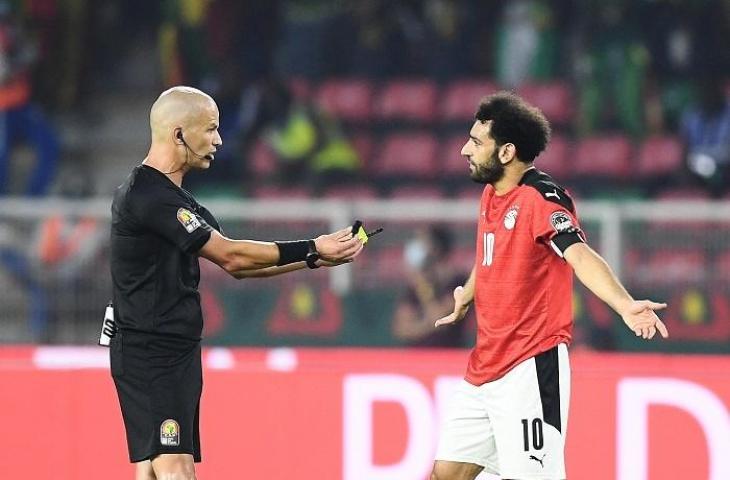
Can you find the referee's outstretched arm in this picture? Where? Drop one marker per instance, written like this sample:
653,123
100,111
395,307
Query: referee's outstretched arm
251,258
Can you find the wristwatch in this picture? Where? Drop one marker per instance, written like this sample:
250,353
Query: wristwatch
312,255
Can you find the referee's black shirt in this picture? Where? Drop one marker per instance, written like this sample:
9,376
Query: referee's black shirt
157,230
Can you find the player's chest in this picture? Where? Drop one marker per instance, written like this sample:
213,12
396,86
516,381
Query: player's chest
507,218
504,234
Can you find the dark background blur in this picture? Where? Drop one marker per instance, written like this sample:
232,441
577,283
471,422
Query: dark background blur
363,101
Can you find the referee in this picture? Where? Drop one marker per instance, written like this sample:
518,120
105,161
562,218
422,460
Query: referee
158,232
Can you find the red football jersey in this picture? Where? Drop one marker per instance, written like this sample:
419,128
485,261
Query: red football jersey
523,290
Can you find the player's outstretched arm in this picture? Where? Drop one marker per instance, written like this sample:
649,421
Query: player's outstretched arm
463,296
249,258
593,271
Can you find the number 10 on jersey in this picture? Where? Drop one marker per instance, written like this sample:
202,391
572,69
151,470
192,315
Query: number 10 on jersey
488,256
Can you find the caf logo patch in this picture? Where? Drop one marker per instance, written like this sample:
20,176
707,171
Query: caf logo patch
511,217
561,222
170,433
187,219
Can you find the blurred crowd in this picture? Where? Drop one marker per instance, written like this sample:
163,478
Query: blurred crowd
356,99
313,91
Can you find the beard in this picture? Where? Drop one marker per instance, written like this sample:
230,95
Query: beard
491,172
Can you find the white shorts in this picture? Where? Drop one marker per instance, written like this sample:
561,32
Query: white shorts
514,426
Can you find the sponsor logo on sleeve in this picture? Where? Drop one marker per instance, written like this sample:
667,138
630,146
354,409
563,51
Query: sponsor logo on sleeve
170,433
562,223
187,219
554,193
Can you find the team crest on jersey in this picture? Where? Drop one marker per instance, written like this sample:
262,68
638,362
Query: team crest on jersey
510,217
562,223
170,433
187,219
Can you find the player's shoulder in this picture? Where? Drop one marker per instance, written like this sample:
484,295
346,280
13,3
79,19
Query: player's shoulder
546,188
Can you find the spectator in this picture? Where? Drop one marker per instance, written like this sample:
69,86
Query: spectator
309,145
527,43
448,26
377,40
705,129
611,71
307,31
432,280
20,118
182,42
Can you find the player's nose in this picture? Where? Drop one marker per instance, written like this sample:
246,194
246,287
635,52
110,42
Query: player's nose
464,150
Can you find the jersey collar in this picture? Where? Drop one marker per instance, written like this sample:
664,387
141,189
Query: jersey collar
530,174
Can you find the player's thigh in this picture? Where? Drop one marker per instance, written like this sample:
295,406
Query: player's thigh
446,470
179,466
528,409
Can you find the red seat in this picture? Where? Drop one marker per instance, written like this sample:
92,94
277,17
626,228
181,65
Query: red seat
554,160
263,159
384,265
363,145
450,159
683,193
300,87
407,154
389,264
417,191
346,99
461,98
608,156
722,268
553,98
462,259
666,267
407,100
472,192
660,155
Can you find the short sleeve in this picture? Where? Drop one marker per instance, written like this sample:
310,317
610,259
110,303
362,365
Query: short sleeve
173,217
210,219
555,225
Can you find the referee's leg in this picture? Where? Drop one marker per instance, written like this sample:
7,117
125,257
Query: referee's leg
174,466
144,471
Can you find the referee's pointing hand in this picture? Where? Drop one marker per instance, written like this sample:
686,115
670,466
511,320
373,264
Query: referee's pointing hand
339,246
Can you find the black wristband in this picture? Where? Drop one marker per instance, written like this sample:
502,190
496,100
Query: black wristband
312,255
292,252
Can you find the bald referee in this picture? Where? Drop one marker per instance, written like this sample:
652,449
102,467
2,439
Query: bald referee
158,232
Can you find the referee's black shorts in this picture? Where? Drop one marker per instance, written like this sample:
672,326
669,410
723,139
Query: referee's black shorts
159,380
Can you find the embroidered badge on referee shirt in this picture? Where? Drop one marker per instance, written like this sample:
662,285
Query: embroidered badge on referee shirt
170,433
187,219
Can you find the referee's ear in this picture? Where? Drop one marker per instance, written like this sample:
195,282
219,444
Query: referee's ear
179,139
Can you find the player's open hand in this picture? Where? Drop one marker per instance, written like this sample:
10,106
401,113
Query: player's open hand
338,247
641,318
460,309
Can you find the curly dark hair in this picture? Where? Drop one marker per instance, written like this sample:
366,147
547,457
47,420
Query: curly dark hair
515,121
